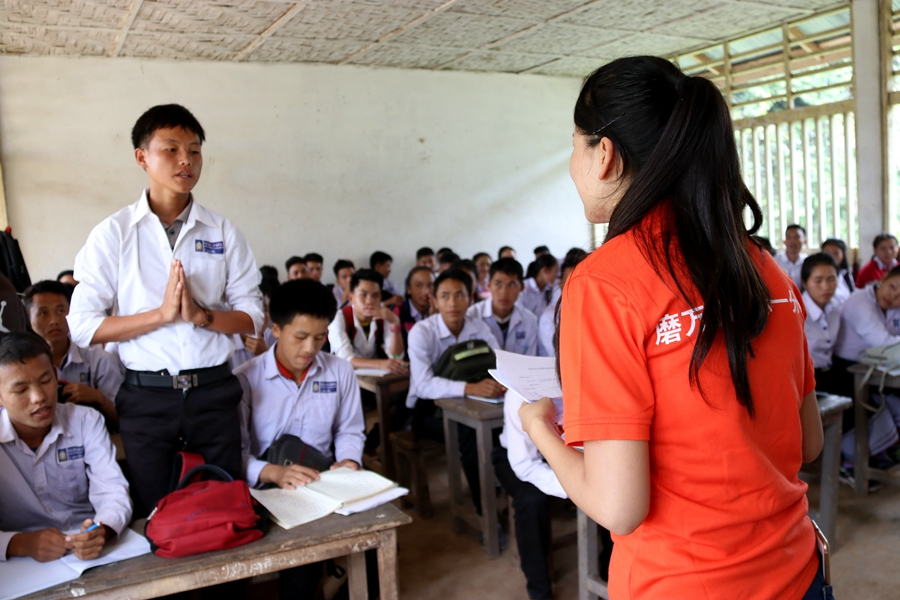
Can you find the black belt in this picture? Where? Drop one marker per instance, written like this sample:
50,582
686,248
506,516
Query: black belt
185,380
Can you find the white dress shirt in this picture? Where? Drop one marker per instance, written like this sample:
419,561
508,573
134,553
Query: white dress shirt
546,330
338,293
390,287
125,266
864,325
791,268
428,340
535,299
524,458
71,477
93,367
362,345
822,328
844,289
322,410
521,334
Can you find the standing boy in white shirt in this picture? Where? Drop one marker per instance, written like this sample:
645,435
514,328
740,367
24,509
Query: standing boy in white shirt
791,258
513,326
181,281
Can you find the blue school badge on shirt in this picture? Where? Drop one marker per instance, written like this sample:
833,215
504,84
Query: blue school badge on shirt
209,247
71,453
520,335
324,387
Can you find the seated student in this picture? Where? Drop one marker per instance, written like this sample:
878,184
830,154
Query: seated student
380,262
506,252
296,268
791,258
446,260
268,272
541,250
314,262
539,289
471,268
513,326
884,259
425,258
547,320
845,285
530,482
67,277
443,251
428,341
246,346
823,318
58,468
91,375
364,332
483,261
295,389
419,302
343,272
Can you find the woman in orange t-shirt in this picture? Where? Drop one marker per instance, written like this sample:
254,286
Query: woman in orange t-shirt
683,359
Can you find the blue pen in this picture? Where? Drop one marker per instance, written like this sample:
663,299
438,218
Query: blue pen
92,527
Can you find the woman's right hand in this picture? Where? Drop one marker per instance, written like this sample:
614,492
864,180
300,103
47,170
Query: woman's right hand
534,413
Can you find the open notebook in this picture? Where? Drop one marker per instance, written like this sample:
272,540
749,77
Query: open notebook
334,490
20,576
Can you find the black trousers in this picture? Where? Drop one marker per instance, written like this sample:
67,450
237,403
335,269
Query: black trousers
425,425
158,423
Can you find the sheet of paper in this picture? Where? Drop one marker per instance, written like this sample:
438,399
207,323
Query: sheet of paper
349,486
484,399
371,372
129,545
532,377
290,508
376,500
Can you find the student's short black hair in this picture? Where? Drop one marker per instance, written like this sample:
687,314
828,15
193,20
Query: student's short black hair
455,275
366,275
301,297
268,286
379,258
815,260
508,266
795,226
479,255
68,272
444,250
18,347
448,258
164,116
764,243
541,250
544,261
504,249
313,257
882,237
342,263
294,260
466,265
423,252
268,271
46,286
573,257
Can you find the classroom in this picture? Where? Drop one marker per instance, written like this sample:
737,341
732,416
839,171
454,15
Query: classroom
321,318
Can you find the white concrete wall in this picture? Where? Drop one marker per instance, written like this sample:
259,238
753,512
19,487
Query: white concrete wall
338,160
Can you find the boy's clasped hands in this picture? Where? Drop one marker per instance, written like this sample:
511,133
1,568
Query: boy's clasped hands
177,301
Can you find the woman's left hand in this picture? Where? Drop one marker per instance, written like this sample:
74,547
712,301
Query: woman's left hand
535,413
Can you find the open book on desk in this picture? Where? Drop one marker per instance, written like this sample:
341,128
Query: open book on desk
531,377
22,575
340,488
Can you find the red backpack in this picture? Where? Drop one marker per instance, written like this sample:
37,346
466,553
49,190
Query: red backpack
203,516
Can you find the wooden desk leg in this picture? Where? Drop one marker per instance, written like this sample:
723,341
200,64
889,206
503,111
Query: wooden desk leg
385,452
485,443
454,472
861,458
356,576
828,493
388,577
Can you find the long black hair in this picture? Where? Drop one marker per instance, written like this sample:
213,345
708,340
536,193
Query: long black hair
843,266
676,142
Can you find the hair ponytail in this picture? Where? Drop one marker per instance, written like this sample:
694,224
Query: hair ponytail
677,144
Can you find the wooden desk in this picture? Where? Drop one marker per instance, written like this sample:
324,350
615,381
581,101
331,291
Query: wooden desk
831,409
590,586
862,472
483,417
383,387
149,576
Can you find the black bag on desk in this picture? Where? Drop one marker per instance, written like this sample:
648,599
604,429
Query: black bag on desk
291,450
466,361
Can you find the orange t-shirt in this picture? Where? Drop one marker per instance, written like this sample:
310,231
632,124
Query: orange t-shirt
728,514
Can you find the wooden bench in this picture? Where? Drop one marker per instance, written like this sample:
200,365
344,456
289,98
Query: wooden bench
383,387
410,456
862,472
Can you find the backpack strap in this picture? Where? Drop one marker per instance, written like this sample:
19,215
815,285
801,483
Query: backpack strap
379,338
349,324
184,463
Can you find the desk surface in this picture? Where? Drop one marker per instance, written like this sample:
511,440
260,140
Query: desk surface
474,409
830,404
230,565
370,382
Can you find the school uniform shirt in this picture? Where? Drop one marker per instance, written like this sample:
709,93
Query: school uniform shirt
822,327
409,316
845,286
125,265
873,270
241,354
390,287
72,476
428,341
534,299
520,336
362,345
546,331
864,325
726,503
324,409
525,459
93,367
791,268
338,293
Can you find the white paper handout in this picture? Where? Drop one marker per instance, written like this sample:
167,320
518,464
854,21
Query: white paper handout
22,575
371,372
335,489
532,377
